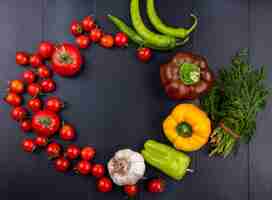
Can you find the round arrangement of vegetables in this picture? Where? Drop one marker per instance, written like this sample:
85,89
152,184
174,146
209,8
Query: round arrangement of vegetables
186,76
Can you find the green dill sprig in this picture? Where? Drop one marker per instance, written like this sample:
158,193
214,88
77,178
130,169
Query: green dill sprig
238,95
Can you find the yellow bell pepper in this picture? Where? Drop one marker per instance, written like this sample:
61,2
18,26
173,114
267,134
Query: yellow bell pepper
187,127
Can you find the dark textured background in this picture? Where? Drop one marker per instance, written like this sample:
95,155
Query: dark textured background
118,102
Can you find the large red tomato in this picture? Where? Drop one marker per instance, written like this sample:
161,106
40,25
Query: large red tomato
66,60
45,123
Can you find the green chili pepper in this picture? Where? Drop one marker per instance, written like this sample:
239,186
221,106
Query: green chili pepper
126,29
151,37
163,28
165,158
135,37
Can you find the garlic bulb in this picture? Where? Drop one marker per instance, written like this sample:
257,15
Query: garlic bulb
127,167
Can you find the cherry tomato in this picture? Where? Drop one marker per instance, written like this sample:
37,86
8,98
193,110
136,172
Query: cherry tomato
18,113
83,167
104,184
107,41
46,49
34,104
87,153
26,126
76,28
88,23
121,39
54,104
144,54
45,123
28,145
28,76
96,34
41,141
67,60
156,185
48,85
22,58
98,170
72,152
67,132
53,150
62,164
35,60
13,99
83,41
34,89
16,86
44,72
131,190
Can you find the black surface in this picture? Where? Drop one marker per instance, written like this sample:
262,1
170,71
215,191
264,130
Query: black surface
117,101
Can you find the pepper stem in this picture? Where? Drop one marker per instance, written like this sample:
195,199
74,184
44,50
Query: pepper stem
184,129
182,42
193,27
189,73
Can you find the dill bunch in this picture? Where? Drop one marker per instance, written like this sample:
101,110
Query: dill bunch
233,103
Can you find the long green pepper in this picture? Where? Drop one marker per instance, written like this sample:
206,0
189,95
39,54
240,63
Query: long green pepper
163,28
152,38
135,37
165,158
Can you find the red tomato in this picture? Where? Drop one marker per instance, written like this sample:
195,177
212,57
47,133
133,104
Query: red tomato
87,153
28,145
53,150
107,41
66,60
35,60
156,185
44,72
83,41
26,126
72,152
67,132
41,141
76,28
62,164
34,104
83,167
16,86
45,123
98,170
121,39
88,23
96,34
22,58
18,113
54,104
104,184
34,89
48,85
144,54
131,190
13,99
46,49
28,76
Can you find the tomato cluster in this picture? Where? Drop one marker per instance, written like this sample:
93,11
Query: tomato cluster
87,31
41,115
